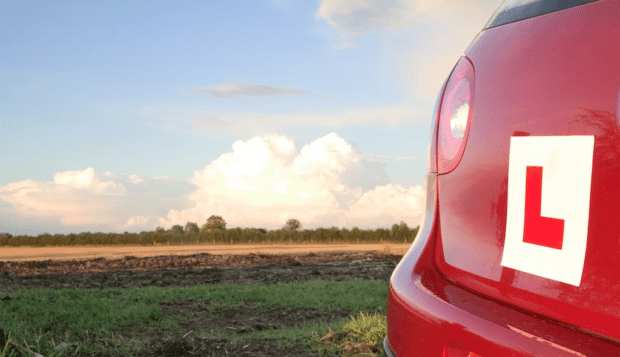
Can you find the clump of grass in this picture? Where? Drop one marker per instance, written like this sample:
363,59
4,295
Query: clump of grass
361,336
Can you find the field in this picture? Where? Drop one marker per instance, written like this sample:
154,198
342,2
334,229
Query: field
120,251
196,305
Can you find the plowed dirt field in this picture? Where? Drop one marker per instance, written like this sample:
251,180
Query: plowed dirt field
112,252
187,270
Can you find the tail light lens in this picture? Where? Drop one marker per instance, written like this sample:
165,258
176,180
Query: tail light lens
454,113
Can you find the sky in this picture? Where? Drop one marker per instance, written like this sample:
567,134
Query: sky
128,115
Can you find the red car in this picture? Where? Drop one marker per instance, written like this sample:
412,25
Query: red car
519,251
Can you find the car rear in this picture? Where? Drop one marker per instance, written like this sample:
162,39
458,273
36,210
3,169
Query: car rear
519,251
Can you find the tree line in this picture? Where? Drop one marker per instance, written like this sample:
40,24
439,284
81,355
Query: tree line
214,231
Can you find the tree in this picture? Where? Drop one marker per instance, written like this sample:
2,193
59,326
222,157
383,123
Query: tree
395,229
177,229
292,225
400,228
160,230
214,223
191,227
401,231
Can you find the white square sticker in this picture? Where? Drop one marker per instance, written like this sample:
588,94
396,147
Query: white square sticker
549,180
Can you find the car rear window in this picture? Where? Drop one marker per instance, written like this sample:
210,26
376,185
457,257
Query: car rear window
517,10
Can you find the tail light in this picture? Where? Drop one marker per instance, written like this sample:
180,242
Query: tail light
453,112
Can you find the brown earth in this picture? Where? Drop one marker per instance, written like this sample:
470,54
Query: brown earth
195,269
194,262
113,252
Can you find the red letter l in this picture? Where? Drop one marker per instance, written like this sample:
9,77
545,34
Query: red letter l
545,231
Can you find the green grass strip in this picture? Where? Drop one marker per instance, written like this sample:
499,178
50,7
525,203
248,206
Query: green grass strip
43,318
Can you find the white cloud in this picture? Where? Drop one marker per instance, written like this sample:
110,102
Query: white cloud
86,180
262,182
74,197
230,90
85,199
388,203
136,179
140,223
76,178
266,180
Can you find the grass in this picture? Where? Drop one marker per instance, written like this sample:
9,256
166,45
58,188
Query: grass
40,320
362,335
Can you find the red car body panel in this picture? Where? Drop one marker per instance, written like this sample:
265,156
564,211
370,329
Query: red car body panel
552,75
431,315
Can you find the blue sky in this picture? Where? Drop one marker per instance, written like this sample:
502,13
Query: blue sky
130,115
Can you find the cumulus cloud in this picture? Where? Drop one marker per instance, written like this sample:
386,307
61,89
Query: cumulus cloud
84,199
262,182
388,203
140,223
136,179
86,180
73,197
231,90
266,180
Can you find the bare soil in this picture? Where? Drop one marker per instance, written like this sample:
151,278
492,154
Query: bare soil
117,252
187,270
238,320
205,315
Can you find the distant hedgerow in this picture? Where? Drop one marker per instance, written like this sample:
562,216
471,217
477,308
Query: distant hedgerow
399,233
